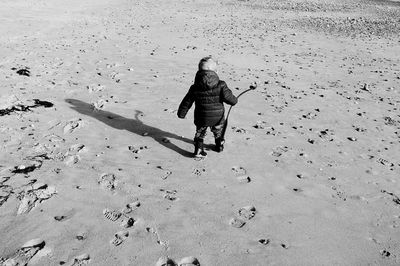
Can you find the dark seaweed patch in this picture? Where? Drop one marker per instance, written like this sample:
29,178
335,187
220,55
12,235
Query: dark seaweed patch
24,72
25,108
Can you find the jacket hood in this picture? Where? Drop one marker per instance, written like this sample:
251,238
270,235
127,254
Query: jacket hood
206,79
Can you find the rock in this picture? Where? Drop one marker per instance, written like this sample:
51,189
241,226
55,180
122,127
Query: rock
34,243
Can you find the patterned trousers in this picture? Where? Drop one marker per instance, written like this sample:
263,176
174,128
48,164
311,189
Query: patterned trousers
201,132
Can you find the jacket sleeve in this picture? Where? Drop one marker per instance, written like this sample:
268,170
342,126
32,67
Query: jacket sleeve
186,103
227,95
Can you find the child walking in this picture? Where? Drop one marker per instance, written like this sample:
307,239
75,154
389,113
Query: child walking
209,94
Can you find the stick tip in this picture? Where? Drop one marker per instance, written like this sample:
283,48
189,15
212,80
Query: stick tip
253,86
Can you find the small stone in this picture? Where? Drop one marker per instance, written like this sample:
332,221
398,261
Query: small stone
81,236
34,243
247,212
264,241
284,246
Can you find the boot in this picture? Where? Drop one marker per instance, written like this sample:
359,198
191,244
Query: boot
199,149
219,145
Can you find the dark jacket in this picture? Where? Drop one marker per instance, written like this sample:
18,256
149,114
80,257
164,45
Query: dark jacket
209,95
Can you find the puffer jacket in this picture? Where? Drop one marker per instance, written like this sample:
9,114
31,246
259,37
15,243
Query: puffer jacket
209,95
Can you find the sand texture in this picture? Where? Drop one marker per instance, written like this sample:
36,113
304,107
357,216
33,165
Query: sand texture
97,169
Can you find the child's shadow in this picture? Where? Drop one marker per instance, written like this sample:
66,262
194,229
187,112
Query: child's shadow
132,125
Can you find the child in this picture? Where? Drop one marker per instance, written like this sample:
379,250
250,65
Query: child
209,94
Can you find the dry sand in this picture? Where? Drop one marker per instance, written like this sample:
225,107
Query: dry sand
310,172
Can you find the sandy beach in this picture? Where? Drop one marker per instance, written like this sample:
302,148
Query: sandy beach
97,169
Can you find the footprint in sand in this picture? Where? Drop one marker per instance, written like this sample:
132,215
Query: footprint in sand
395,198
239,130
114,215
309,115
166,174
189,261
241,174
66,216
95,88
165,261
75,149
237,223
54,138
243,179
99,104
260,125
130,207
136,150
384,162
126,221
198,172
23,255
247,212
238,170
339,193
170,194
107,181
279,151
80,260
72,125
153,231
72,159
119,238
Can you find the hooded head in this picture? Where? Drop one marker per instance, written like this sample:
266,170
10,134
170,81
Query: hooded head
208,63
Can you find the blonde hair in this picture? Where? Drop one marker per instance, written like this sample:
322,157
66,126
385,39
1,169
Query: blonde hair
208,63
